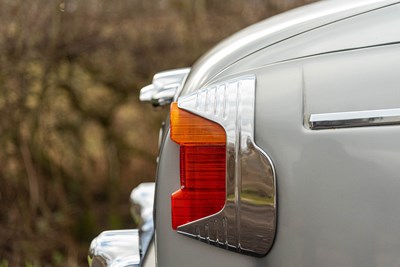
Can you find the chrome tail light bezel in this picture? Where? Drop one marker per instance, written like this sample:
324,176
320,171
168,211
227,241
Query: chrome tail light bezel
247,222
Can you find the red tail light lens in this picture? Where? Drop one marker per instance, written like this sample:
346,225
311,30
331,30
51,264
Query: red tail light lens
202,167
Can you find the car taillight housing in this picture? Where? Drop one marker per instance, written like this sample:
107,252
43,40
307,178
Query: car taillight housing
202,167
227,194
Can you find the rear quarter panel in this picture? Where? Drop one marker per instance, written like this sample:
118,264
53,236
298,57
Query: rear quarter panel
337,189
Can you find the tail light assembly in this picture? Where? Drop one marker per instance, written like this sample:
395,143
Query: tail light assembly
227,196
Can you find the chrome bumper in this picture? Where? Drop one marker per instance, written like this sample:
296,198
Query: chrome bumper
125,248
119,248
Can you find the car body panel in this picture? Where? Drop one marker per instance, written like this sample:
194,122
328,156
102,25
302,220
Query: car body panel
374,28
273,31
337,189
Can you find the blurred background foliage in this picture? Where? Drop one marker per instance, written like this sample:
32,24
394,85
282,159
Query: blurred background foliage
74,140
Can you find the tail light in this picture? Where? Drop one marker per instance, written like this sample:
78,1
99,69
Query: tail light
227,195
202,167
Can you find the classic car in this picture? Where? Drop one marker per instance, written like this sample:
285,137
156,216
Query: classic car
281,149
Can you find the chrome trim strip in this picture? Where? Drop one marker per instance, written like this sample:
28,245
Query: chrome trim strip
247,223
354,119
164,87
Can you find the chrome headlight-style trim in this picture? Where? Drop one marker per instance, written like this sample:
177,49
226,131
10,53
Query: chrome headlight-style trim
354,119
247,223
164,87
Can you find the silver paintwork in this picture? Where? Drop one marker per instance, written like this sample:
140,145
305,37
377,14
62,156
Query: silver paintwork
164,87
338,190
351,33
354,119
247,222
118,248
271,32
362,79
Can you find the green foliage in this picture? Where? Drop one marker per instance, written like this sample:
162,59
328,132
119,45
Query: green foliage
74,139
3,263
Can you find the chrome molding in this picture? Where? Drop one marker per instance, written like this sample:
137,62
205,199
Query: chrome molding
247,223
354,119
118,248
164,87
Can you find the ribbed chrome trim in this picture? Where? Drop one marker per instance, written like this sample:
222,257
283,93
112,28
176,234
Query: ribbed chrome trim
355,119
247,223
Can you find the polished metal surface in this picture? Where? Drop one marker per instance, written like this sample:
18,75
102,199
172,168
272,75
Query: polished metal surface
247,222
354,119
164,87
118,248
142,201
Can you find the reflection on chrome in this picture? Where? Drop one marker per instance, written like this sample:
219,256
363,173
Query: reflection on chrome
119,248
247,223
355,119
142,199
164,87
123,248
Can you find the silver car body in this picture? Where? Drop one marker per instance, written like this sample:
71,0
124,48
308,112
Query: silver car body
337,188
327,114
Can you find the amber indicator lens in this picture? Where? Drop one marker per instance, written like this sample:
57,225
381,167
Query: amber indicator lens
187,128
202,167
